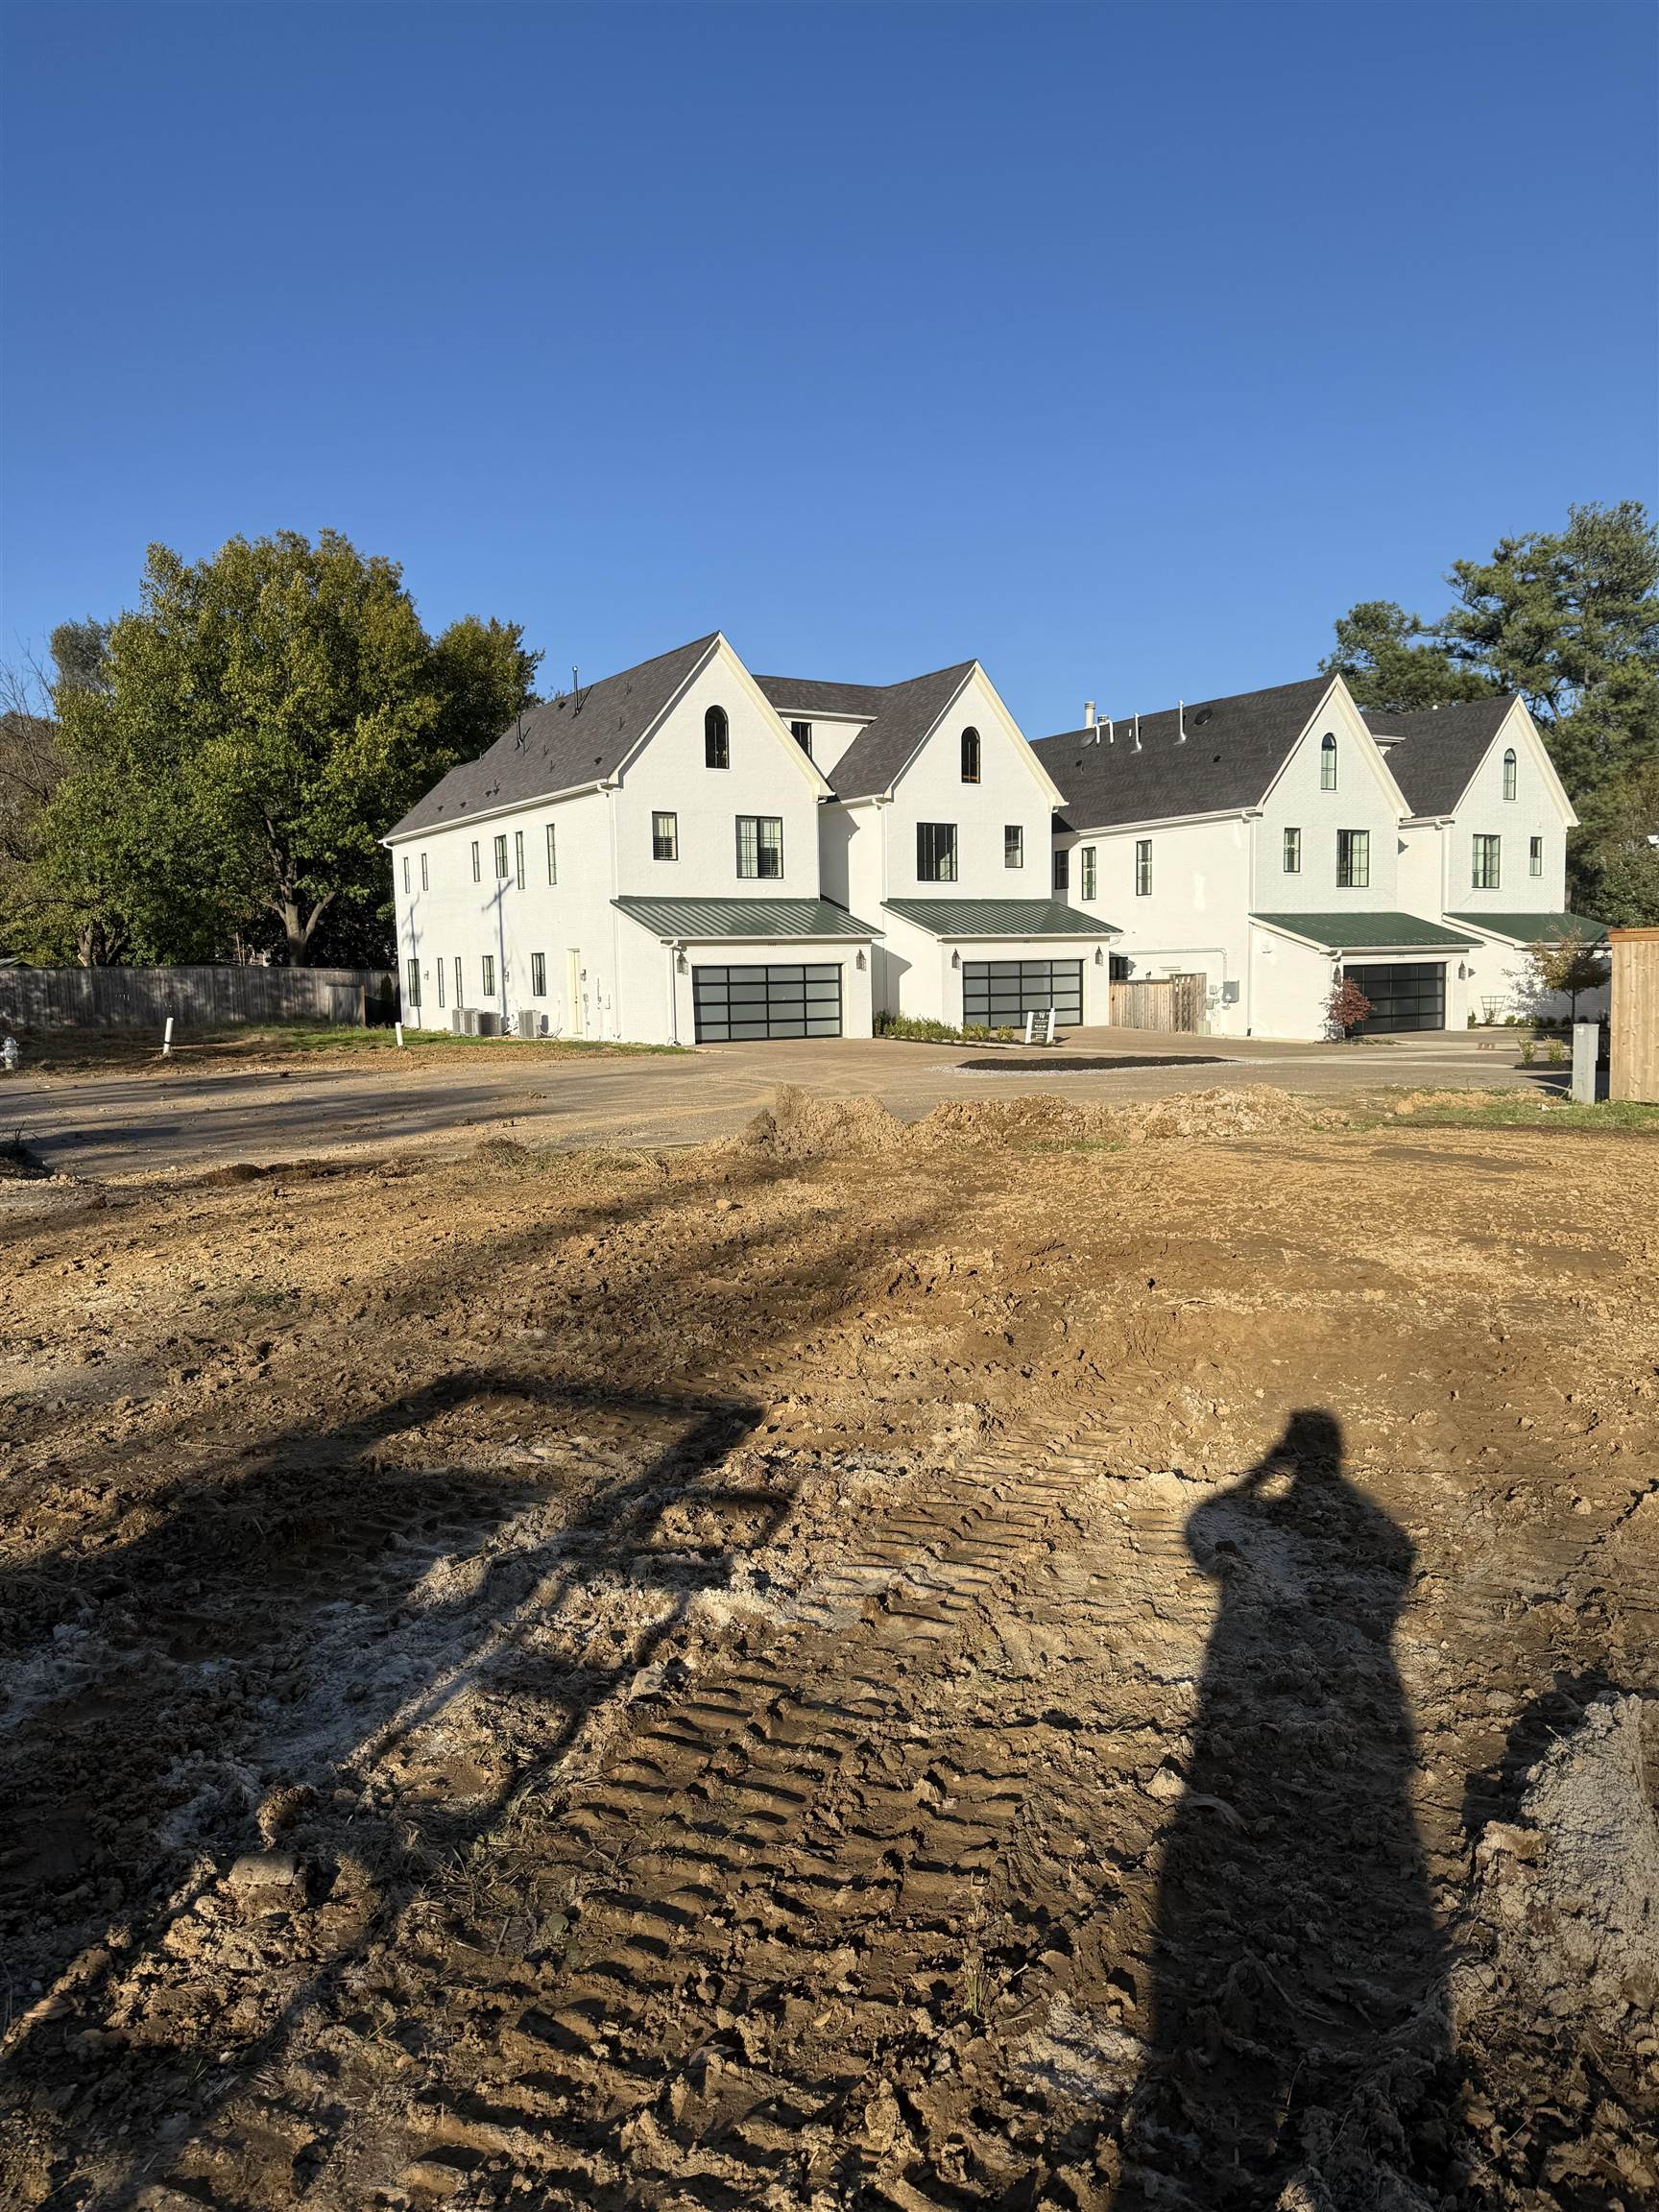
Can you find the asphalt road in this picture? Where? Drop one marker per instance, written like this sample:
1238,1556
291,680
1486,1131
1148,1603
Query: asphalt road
131,1121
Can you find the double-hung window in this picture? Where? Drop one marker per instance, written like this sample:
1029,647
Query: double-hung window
537,975
1488,861
760,845
405,871
489,975
477,870
664,837
425,884
1292,852
1510,774
519,859
935,851
1143,866
1087,887
552,854
802,733
1328,762
1013,845
412,992
1353,860
1062,867
1535,857
438,978
501,857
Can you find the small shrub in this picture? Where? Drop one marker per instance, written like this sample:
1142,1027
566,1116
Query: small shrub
1470,1023
916,1031
1528,1052
1557,1054
1347,1007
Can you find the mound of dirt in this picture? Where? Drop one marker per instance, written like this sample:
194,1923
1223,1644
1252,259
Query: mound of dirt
1572,1890
1190,1115
797,1126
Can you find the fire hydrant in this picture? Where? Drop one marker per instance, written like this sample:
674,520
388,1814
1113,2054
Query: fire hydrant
9,1056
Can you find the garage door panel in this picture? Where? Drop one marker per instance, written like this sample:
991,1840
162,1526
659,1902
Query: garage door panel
749,1004
1404,995
1000,994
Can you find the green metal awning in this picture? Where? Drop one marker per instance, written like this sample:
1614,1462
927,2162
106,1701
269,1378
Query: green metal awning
1367,932
748,921
998,918
1536,929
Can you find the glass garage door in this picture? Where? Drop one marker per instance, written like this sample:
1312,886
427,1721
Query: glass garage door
730,1004
1402,995
1002,992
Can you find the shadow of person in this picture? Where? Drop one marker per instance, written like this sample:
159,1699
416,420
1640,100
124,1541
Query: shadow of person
1298,2052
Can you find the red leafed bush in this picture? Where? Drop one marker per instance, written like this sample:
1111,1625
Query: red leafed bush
1346,1008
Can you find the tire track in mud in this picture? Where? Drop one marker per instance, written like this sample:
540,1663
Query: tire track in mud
773,1873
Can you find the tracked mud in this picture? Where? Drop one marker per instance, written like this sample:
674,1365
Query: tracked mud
1037,1660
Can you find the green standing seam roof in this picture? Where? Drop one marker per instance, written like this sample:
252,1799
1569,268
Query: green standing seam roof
1537,928
1367,932
747,919
998,918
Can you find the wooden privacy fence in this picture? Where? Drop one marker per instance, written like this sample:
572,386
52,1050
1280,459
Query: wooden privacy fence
1159,1002
202,998
1633,1044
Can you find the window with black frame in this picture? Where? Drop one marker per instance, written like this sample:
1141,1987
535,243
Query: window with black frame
1487,869
760,846
1013,845
1087,887
664,837
716,738
1062,868
970,755
1292,852
1353,860
936,851
1535,857
1143,866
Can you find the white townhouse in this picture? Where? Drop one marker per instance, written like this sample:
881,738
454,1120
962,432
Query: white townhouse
1487,842
683,853
1266,842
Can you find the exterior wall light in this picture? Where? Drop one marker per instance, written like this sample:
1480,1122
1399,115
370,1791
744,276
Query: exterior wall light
860,963
956,959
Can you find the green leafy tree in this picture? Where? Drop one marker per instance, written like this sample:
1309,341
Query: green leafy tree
1569,619
1390,659
265,716
1564,967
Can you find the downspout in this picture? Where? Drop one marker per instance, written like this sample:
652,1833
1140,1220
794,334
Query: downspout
610,790
674,952
1254,829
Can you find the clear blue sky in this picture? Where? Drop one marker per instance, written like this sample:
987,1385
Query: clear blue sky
1120,346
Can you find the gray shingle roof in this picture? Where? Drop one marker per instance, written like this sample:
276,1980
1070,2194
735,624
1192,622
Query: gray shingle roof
1438,751
1366,932
998,918
901,717
1537,928
1235,747
750,918
560,745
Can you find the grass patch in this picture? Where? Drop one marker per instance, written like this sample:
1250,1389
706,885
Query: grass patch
1512,1110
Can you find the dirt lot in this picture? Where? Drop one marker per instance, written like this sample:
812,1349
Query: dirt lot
1052,1658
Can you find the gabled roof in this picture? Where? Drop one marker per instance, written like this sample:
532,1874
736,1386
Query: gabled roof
1366,932
998,918
753,921
559,746
1234,749
900,716
1433,755
1537,928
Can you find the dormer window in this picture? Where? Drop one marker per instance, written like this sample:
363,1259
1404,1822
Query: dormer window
1509,772
716,738
1328,761
970,755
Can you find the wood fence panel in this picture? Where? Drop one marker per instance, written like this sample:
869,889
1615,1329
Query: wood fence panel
1159,1002
200,997
1633,1028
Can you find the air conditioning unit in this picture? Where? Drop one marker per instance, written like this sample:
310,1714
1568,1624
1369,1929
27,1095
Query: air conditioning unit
469,1021
458,1021
488,1023
528,1023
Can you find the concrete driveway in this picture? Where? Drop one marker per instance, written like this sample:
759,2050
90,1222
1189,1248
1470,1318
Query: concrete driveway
133,1122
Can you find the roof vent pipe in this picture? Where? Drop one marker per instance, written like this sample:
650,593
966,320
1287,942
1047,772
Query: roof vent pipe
1180,721
1088,713
1111,735
1136,732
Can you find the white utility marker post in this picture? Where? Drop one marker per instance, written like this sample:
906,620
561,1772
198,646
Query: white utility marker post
399,1026
167,1039
1586,1051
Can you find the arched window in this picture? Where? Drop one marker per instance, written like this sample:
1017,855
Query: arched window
1328,761
1509,772
970,755
716,738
